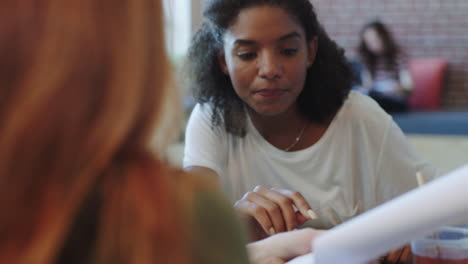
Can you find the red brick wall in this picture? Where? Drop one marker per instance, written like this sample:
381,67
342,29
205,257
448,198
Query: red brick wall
423,28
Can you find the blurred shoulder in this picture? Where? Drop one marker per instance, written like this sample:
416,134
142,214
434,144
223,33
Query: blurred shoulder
214,225
189,183
205,109
150,169
361,109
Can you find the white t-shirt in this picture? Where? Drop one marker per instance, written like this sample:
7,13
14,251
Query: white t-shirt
361,161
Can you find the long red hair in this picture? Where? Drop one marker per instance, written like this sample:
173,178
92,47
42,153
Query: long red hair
81,88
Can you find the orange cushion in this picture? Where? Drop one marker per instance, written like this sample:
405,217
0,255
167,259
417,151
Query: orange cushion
428,77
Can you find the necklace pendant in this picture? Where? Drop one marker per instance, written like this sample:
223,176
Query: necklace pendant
297,138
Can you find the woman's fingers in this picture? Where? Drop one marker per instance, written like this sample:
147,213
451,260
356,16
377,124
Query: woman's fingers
406,254
274,209
400,255
254,206
284,203
299,201
301,219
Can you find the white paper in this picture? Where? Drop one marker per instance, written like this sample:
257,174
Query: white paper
393,224
306,259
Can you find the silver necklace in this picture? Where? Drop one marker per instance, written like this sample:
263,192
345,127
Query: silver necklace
297,138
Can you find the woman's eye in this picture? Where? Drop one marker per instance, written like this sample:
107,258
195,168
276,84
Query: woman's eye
246,55
289,52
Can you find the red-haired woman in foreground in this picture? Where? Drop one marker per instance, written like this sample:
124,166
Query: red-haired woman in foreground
82,91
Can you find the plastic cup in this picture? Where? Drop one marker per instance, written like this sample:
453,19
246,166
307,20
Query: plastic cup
448,245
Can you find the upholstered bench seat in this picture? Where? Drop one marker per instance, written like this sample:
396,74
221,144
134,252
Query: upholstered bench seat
434,122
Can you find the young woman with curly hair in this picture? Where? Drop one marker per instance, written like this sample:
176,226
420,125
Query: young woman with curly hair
276,122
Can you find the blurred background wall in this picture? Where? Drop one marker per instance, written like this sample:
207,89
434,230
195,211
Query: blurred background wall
424,28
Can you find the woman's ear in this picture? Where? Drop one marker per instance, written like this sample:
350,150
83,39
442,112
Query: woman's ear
312,48
222,62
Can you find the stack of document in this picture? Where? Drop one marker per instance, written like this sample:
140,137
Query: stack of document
393,224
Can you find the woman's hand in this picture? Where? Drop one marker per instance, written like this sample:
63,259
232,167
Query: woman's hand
282,247
398,256
274,210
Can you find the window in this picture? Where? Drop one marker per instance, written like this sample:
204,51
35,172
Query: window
178,24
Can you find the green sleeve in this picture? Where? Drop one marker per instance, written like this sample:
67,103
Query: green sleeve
218,234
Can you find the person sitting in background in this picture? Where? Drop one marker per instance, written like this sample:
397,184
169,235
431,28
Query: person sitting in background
385,76
83,85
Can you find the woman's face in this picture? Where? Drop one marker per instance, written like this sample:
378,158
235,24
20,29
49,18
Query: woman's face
266,56
373,41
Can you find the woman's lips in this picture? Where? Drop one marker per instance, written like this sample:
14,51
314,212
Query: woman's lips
270,93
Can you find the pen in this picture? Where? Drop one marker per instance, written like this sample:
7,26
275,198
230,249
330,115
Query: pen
420,178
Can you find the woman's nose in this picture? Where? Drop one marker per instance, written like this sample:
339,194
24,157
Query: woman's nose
270,66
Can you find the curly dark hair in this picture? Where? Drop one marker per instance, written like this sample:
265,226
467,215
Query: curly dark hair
328,80
391,48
